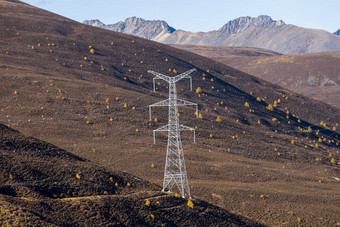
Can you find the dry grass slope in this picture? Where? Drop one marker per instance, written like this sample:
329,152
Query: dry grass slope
41,184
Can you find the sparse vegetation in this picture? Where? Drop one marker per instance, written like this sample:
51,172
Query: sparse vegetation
101,116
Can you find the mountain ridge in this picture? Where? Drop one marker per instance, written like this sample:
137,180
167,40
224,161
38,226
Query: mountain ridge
261,32
136,26
242,23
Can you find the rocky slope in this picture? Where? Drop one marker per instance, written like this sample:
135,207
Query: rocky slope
87,91
261,32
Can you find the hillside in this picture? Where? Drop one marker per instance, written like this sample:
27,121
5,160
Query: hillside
314,75
260,32
67,83
42,184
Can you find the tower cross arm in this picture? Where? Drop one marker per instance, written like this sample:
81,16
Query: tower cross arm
186,128
160,76
167,128
180,127
182,102
161,103
161,129
184,75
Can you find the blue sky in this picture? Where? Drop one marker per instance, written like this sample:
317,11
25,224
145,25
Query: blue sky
200,15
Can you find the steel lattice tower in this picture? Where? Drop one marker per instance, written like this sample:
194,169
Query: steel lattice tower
175,172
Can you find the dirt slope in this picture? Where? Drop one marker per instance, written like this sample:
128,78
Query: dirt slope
256,162
42,184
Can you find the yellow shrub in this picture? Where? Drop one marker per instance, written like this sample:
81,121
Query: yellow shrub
270,107
190,204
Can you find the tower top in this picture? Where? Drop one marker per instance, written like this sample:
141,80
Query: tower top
175,79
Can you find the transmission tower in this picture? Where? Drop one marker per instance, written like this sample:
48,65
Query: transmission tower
175,172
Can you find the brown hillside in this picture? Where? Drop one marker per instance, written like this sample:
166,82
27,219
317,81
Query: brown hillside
43,185
263,164
315,75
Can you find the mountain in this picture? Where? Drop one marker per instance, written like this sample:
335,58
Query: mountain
315,75
42,184
272,158
337,32
260,32
244,23
137,26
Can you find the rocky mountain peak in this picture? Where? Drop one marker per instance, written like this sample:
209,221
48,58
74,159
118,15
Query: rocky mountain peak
96,23
149,29
240,24
134,20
